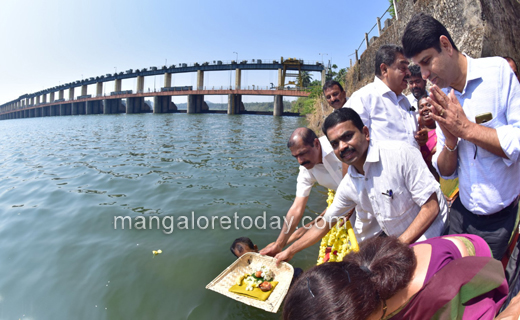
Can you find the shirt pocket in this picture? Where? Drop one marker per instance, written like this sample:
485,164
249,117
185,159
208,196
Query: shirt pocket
481,152
393,207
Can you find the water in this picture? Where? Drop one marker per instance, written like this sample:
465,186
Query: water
64,179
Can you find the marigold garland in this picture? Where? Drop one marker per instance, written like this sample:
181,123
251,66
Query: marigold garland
337,239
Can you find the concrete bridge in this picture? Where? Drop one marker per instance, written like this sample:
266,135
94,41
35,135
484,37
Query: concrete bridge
37,105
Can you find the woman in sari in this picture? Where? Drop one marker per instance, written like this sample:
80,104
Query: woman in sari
451,277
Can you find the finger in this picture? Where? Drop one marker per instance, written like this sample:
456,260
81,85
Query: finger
452,97
435,107
440,97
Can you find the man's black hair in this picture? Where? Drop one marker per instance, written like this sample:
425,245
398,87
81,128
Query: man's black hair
340,116
307,136
237,245
386,54
424,32
415,71
331,83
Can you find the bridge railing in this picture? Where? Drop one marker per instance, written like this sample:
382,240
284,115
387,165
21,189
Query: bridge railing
223,62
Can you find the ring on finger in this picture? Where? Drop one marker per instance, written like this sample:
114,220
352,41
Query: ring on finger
441,113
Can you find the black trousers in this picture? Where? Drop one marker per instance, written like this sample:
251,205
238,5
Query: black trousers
496,229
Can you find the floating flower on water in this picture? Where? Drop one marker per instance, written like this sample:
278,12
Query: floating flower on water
156,252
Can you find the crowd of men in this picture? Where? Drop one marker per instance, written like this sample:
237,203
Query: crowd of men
370,156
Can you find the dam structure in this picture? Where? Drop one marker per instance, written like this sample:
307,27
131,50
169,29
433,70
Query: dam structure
61,100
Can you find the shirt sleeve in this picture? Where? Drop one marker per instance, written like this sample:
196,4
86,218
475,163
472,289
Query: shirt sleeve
342,202
439,148
420,182
304,183
509,135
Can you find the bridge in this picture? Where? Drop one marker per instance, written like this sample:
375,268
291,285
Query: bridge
37,105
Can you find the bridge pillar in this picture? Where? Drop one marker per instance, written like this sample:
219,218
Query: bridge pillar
134,105
44,98
235,105
280,80
93,107
74,109
163,104
51,97
167,80
117,85
38,112
31,113
200,80
111,106
60,94
139,88
37,100
238,79
278,105
71,93
84,90
195,102
52,111
99,89
323,77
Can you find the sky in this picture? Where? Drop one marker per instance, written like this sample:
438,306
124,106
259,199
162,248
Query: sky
52,42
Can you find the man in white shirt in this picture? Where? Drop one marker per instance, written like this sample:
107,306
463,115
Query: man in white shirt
381,105
388,183
417,85
318,163
478,132
334,94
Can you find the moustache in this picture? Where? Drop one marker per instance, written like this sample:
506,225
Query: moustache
304,163
344,151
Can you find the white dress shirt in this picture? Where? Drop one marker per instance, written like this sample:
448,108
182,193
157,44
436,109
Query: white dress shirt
327,174
387,115
488,183
389,196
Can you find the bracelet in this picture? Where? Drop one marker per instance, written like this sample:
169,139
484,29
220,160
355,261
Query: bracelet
451,150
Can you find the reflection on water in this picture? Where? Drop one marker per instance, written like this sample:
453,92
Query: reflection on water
64,179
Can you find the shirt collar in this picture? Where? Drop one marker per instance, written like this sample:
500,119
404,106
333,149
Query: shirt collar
372,157
383,89
326,147
472,73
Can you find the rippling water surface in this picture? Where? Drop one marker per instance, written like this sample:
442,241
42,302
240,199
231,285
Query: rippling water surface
64,179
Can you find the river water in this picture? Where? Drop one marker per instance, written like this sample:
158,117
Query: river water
65,180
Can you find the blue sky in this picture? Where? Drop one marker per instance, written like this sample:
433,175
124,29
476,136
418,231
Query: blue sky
45,43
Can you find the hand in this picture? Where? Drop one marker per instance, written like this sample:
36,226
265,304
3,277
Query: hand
271,249
285,255
450,116
422,137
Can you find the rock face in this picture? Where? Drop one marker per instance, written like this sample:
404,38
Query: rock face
480,28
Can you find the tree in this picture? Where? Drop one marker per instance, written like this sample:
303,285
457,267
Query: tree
306,79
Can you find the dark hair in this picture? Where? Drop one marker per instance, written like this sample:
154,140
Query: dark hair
509,59
306,134
423,32
422,96
342,115
354,288
415,71
331,83
386,54
237,245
